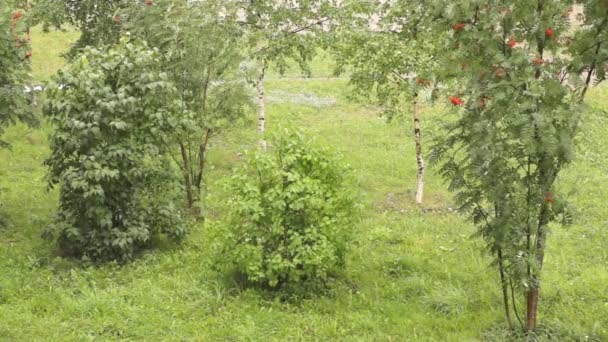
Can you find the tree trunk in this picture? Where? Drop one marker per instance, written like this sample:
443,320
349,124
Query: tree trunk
533,293
419,159
202,152
505,291
187,182
261,107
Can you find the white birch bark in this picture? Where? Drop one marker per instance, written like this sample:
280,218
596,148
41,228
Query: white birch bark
419,159
261,108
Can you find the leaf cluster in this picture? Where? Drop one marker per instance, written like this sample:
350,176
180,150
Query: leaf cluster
113,111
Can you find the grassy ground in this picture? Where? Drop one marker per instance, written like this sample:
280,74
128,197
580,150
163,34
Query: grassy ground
413,276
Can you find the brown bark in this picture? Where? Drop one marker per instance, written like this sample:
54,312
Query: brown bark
533,293
187,181
202,154
419,158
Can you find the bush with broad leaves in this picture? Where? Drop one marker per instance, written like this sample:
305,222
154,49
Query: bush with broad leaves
113,112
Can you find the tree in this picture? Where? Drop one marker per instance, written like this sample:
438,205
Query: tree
201,46
516,96
278,31
391,49
14,68
113,111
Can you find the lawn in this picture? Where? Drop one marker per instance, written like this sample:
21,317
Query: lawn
413,275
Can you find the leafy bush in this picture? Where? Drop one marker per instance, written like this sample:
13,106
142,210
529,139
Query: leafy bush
113,112
291,214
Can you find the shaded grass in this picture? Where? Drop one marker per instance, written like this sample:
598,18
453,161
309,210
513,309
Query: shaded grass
413,275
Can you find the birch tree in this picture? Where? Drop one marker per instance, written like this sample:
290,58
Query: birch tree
391,49
280,31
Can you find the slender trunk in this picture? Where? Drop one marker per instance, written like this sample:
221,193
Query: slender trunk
419,159
514,302
28,41
505,291
591,70
202,149
187,182
261,107
533,293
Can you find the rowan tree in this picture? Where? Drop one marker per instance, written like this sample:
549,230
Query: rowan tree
15,53
515,93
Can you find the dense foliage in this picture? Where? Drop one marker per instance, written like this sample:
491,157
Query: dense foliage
112,111
516,97
201,52
291,214
14,68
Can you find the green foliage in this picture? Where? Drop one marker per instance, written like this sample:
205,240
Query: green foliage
95,19
517,110
113,111
175,294
201,53
14,68
393,59
291,214
284,30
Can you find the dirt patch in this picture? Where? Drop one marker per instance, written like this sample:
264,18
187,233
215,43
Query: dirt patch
403,202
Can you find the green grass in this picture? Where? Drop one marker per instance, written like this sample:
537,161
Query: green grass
47,51
412,276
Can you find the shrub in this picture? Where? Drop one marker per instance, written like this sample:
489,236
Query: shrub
291,214
113,112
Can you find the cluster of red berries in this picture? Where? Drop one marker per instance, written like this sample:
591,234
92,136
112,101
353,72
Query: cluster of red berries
512,42
459,26
455,101
18,41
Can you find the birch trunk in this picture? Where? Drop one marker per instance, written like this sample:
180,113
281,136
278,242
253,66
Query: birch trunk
419,159
261,108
